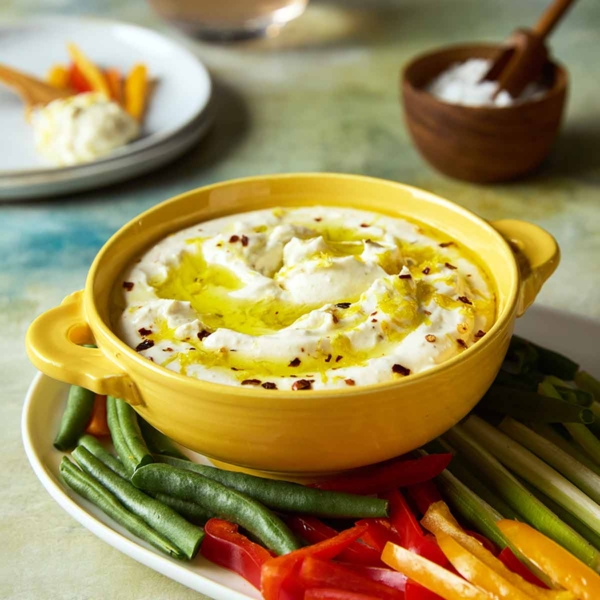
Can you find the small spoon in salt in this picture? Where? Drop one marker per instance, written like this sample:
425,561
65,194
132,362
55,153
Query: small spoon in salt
522,59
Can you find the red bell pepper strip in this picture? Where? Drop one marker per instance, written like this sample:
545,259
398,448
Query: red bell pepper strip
387,576
414,591
320,573
379,533
424,495
388,476
224,546
313,531
332,594
278,579
77,80
487,544
510,560
412,536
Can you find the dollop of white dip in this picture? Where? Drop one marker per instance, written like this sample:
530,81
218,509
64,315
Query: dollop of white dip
461,84
303,298
81,128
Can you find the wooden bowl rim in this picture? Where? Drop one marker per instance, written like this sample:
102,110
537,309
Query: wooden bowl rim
559,87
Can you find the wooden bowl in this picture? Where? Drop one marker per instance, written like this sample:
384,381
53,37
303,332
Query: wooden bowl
480,144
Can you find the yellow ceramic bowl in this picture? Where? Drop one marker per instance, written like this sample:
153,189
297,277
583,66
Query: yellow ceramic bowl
307,432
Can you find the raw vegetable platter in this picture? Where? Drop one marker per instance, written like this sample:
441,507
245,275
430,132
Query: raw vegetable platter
46,401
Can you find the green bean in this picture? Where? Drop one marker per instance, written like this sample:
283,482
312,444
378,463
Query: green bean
189,510
163,519
158,442
75,418
132,434
288,497
91,444
91,490
117,436
226,503
534,408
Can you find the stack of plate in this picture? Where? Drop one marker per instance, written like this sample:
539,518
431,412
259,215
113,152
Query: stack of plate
179,112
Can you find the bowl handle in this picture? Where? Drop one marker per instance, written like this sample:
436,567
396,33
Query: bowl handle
53,346
536,253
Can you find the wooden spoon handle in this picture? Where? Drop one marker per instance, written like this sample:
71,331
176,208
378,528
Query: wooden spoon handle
552,15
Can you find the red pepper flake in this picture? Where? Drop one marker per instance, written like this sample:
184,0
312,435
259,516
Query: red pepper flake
449,266
430,337
365,225
203,334
350,381
338,358
426,271
128,285
245,240
328,358
480,334
234,238
400,370
407,276
269,385
234,369
144,345
465,300
373,320
318,219
151,358
301,384
461,343
168,349
251,382
343,304
373,313
427,312
143,331
219,245
294,363
334,318
446,244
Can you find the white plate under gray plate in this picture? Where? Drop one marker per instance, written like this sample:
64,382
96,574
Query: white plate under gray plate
575,336
177,116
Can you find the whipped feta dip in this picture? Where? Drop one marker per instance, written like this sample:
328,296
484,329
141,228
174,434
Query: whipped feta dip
303,298
81,128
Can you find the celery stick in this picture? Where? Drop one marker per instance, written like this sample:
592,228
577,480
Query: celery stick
519,498
525,464
553,436
587,481
461,471
588,383
565,515
586,439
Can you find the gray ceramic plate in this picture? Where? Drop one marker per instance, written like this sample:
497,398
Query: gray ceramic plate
177,116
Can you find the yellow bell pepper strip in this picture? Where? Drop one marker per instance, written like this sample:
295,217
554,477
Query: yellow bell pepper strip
439,521
559,564
115,83
58,77
136,91
431,576
478,573
89,70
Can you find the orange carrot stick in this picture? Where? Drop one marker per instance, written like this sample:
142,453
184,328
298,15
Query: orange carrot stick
115,83
98,425
136,91
58,76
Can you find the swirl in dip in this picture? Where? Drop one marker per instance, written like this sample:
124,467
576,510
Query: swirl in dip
304,298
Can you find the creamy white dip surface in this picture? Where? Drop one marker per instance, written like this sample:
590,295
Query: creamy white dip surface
81,128
304,298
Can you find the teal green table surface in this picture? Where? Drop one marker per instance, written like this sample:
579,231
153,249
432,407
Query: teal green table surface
323,96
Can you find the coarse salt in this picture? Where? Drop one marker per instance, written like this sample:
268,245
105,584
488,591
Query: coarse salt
461,84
